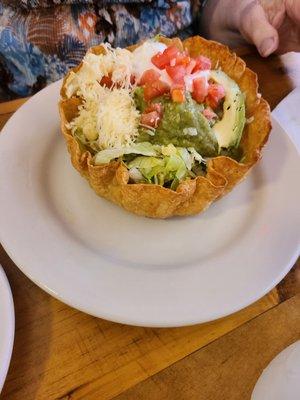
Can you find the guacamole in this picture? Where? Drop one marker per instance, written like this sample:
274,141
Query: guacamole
182,124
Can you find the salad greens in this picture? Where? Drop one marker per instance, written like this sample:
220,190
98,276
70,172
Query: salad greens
105,156
162,165
91,145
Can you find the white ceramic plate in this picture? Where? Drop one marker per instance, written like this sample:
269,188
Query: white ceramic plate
287,113
105,261
281,379
7,326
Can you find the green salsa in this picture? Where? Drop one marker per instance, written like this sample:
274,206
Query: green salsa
182,124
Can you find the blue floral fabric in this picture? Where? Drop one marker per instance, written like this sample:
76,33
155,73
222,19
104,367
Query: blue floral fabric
41,39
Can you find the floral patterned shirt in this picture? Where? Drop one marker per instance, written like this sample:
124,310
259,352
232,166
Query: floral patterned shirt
41,39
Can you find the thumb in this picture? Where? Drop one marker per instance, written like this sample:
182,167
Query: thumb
256,29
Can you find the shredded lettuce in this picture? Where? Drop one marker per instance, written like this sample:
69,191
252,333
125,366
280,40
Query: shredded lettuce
161,170
143,148
196,155
161,165
92,145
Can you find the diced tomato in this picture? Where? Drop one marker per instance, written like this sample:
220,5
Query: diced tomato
150,75
215,94
173,62
178,95
200,89
106,81
209,114
155,107
155,89
171,52
183,59
202,63
161,60
176,73
211,102
150,119
190,67
216,90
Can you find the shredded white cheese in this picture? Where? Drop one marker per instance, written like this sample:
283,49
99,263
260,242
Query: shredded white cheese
117,119
107,115
115,62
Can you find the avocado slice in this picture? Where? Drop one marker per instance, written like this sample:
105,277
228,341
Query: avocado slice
230,128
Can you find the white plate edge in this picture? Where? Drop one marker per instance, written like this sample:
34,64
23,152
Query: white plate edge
4,366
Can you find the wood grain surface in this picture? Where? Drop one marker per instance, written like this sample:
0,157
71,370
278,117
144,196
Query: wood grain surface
228,368
61,353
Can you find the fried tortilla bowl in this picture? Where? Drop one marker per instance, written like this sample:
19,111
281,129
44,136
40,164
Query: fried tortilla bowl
192,196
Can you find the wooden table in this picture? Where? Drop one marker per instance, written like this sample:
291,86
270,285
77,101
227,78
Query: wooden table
61,353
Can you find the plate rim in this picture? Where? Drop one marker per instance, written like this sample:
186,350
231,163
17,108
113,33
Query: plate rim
127,321
10,334
271,367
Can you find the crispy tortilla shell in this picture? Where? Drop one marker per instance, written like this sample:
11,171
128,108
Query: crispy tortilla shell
192,196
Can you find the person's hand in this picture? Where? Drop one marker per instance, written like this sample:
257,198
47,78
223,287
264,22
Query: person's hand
271,25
